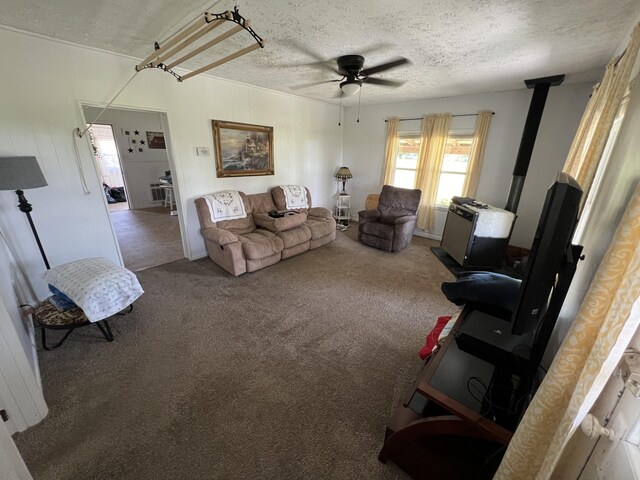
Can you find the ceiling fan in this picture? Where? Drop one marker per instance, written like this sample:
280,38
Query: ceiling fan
351,69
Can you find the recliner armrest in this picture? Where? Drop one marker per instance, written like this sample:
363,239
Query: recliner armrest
368,215
219,236
405,219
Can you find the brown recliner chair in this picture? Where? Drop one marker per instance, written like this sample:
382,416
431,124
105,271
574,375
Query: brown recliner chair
391,225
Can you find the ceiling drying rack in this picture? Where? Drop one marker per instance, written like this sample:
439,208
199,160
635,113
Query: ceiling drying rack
163,57
194,31
179,41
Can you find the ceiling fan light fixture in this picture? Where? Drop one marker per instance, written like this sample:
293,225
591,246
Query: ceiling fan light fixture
350,87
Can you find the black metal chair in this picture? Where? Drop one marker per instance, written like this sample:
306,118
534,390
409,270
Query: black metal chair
49,317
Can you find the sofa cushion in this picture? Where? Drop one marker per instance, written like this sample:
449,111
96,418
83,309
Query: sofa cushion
320,227
261,202
295,236
381,230
240,226
320,212
260,244
279,224
278,198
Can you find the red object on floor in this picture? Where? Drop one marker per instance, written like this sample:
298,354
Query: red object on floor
432,337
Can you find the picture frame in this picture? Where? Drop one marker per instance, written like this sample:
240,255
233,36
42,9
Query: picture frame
156,140
242,149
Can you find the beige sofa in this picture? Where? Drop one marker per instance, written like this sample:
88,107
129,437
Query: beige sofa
257,241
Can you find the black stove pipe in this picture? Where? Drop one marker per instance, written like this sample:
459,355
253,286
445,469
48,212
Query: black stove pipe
540,90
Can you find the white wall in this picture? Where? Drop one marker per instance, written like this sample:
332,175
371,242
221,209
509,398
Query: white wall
364,145
39,109
139,168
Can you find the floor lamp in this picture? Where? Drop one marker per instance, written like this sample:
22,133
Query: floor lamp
17,173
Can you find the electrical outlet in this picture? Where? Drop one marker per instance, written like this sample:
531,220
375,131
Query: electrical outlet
202,151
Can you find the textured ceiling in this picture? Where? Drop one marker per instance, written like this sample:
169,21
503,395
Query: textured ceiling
459,47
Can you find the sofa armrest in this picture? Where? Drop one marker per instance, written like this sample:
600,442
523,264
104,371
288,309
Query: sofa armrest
320,212
219,236
368,215
405,219
279,224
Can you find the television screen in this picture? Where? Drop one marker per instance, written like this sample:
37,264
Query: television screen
550,246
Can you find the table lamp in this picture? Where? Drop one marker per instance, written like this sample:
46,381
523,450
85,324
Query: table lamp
343,174
17,173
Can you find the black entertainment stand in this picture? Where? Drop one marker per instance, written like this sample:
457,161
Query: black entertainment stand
459,415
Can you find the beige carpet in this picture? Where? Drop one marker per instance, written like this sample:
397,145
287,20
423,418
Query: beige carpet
290,372
148,237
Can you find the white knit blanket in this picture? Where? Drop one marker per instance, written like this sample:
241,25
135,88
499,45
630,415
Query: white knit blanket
295,196
225,205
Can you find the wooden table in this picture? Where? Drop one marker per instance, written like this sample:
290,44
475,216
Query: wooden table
458,417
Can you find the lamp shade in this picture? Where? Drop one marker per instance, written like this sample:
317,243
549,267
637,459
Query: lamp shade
20,173
344,173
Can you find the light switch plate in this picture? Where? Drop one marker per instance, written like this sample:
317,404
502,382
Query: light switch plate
202,151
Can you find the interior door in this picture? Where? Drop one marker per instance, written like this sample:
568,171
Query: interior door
12,467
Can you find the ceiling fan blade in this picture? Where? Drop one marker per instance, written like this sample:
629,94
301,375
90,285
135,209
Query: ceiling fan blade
384,66
319,61
383,82
374,48
311,84
307,51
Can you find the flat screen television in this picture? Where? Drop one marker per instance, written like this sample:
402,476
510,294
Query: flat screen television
549,250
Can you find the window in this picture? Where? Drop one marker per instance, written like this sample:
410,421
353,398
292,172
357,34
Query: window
406,165
455,165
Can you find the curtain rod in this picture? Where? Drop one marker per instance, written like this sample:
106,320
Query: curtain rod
459,115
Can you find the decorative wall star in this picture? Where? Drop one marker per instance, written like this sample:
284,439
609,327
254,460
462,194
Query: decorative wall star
141,142
130,150
136,132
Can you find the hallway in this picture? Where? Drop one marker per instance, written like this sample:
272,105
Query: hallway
148,237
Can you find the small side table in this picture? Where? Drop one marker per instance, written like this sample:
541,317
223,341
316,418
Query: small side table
343,211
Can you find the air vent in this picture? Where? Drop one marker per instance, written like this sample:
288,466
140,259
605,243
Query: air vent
157,192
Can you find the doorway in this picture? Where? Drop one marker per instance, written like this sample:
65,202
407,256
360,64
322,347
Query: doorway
133,161
105,152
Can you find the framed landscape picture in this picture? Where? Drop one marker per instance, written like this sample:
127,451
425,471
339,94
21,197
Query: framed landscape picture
242,149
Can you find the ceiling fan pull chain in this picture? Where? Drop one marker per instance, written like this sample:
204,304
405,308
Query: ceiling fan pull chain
359,95
340,112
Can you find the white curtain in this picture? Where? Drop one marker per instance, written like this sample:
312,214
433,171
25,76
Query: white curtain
476,155
390,151
433,141
593,132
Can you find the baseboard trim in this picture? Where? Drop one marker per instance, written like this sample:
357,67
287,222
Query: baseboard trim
425,234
